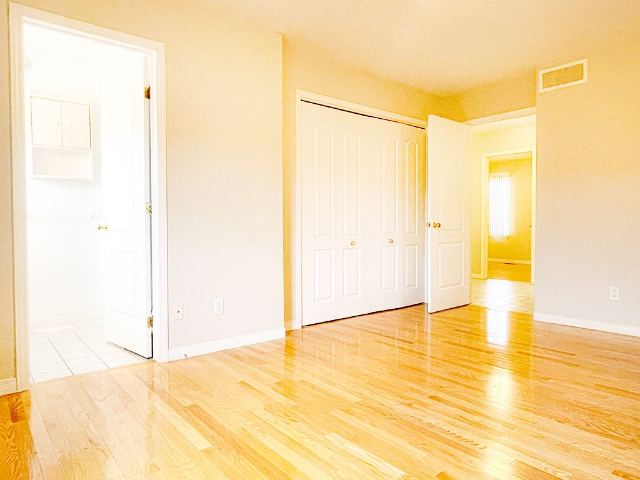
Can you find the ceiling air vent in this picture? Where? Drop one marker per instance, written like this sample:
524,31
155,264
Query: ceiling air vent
563,76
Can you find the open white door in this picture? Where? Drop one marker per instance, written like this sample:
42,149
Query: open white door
125,176
448,204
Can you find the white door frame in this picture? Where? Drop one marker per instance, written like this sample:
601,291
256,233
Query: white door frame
19,16
484,230
296,287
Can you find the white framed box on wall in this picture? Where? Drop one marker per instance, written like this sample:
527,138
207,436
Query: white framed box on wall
61,140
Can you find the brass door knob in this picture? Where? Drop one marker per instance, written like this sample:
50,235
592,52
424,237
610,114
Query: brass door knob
352,243
103,227
99,227
436,225
391,240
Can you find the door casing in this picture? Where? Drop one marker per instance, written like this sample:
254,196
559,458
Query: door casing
484,230
19,16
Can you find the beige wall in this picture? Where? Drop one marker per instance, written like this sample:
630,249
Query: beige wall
307,70
588,205
224,165
494,98
492,141
517,246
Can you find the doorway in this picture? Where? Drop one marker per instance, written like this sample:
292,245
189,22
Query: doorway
505,191
88,167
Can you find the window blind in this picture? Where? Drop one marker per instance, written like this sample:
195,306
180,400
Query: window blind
500,205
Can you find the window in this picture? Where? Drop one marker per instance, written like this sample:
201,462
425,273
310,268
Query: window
499,205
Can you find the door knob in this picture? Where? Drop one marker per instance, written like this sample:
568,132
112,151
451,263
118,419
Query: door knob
436,225
352,243
103,227
391,240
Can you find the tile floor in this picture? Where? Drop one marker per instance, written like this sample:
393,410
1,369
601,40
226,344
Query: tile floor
503,295
70,350
509,271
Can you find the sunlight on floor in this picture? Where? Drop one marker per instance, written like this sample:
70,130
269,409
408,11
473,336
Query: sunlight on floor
503,295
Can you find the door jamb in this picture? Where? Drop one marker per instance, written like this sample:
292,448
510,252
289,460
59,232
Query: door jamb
19,16
484,230
296,215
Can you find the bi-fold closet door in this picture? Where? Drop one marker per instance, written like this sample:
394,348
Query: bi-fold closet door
363,183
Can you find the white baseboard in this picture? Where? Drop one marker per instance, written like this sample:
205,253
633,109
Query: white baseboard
226,344
588,324
44,323
8,385
508,260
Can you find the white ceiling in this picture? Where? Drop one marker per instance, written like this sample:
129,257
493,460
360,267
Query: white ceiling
445,46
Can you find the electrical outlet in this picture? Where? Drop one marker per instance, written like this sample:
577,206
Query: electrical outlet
176,313
614,293
218,306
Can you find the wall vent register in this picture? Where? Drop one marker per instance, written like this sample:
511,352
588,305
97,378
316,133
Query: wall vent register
563,76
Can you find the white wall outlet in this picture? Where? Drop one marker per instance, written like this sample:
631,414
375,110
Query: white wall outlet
176,312
218,306
614,293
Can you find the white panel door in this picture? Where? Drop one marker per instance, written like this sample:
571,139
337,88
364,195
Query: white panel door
398,182
448,200
335,249
125,171
413,156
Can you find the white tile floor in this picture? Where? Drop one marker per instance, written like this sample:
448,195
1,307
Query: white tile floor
70,350
503,295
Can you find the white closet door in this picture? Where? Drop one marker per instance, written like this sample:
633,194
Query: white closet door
363,187
398,256
412,247
335,247
386,209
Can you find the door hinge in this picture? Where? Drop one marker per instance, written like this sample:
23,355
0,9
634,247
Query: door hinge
147,207
150,322
147,93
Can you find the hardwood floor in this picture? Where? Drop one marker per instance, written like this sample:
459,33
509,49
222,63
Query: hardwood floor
464,394
509,271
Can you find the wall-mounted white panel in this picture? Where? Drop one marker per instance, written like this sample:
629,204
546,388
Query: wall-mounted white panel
46,122
76,125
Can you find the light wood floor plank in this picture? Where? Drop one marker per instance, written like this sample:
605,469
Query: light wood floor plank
464,394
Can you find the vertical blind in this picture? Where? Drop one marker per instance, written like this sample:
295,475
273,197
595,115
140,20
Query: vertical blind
500,205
